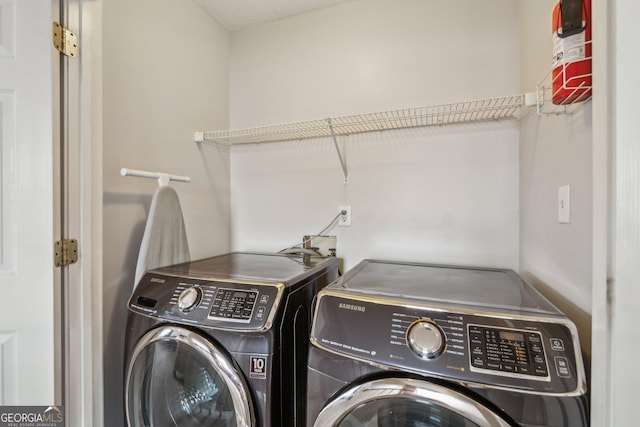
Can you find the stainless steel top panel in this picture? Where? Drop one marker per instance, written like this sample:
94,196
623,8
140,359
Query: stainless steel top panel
246,266
473,288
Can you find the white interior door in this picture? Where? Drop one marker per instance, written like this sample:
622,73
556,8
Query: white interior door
26,204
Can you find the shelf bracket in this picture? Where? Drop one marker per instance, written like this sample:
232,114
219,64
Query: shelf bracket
335,143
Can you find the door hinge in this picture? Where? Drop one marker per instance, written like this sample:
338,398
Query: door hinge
65,252
65,40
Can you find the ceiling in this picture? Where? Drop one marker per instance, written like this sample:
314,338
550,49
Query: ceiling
237,14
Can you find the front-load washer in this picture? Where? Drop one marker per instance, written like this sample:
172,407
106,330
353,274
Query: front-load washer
222,341
408,344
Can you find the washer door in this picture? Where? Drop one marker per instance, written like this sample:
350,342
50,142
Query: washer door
406,402
177,377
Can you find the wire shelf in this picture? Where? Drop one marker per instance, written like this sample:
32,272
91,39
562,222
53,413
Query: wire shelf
461,112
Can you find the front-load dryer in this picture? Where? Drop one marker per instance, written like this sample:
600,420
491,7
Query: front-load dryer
407,344
222,341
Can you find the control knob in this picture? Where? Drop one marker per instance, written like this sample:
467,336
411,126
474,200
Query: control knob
426,338
189,298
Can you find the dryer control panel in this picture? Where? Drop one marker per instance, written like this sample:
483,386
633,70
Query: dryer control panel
495,349
207,304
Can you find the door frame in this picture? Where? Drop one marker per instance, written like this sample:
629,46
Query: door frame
616,293
78,193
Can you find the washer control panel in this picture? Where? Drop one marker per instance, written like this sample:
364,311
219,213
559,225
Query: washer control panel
224,305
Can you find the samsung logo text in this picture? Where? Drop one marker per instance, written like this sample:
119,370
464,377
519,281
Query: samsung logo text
352,307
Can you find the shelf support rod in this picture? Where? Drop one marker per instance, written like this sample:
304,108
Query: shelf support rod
335,143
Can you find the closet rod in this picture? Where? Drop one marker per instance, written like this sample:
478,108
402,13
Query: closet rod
163,178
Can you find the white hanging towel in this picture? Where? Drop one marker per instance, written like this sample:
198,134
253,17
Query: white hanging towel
165,239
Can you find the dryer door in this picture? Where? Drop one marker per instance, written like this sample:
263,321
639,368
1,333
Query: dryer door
406,402
177,377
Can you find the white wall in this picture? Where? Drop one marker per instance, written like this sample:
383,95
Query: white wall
554,151
373,55
165,75
445,194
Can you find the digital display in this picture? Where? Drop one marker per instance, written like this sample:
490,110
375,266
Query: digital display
511,336
240,295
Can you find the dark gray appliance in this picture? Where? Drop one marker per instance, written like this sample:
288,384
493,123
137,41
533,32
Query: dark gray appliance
407,344
222,341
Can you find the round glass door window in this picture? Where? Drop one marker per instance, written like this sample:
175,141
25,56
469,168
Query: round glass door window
178,378
395,412
406,402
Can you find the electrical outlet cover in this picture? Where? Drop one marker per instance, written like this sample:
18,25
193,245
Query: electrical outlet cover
344,220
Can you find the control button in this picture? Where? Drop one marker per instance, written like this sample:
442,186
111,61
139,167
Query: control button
562,367
494,366
478,361
475,330
508,368
189,298
260,313
426,339
534,338
264,299
557,344
540,370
